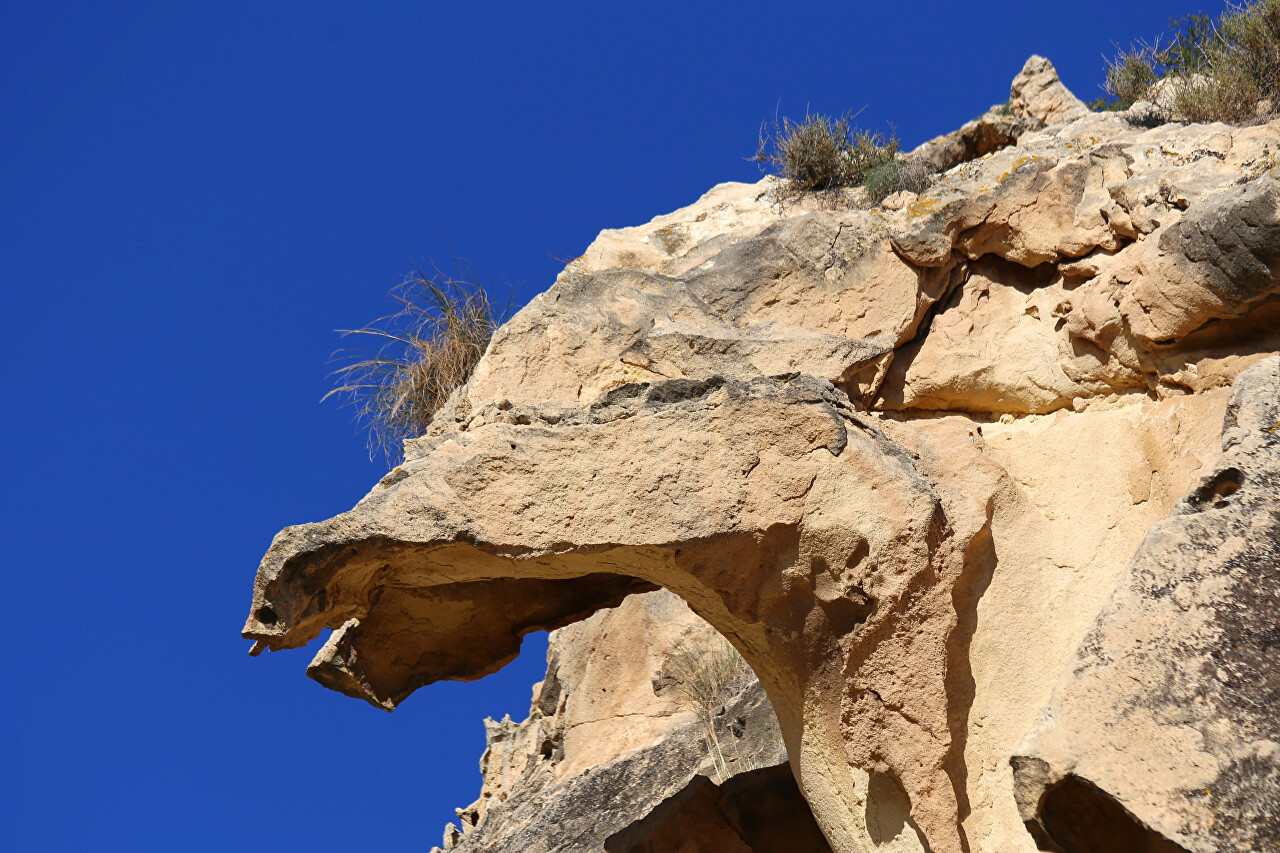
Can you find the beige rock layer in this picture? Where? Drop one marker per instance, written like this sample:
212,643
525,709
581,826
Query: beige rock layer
1045,339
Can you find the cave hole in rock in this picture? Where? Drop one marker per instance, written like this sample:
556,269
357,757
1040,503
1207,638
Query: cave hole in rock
1218,490
1078,817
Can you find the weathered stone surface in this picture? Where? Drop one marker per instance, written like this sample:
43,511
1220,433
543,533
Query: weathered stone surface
1164,724
1038,202
828,272
1072,496
1037,93
999,345
1140,241
760,811
1044,340
580,811
1219,260
674,242
606,738
820,293
988,133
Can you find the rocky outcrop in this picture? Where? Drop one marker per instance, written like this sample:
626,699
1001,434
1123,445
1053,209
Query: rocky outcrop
901,460
1038,94
1121,282
610,735
759,811
795,592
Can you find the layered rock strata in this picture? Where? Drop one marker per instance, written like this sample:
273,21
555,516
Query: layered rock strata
900,459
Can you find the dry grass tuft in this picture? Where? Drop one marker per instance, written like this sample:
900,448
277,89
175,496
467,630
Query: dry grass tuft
820,154
1131,77
897,176
425,350
1226,69
707,678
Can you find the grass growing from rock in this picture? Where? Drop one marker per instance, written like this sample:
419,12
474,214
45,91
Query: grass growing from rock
707,678
1240,70
897,176
1225,69
424,351
821,154
1131,77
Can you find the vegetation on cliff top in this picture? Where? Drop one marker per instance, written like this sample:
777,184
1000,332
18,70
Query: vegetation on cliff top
1225,69
821,154
425,350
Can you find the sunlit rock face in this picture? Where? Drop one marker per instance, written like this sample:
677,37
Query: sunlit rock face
903,460
611,734
1165,719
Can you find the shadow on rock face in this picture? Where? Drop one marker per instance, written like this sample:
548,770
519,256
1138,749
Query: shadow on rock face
1077,816
889,811
760,811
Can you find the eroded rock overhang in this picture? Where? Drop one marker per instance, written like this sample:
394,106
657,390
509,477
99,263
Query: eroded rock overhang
793,420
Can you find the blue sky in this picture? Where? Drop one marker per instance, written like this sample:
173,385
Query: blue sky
194,196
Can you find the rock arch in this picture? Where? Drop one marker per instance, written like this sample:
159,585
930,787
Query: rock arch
831,555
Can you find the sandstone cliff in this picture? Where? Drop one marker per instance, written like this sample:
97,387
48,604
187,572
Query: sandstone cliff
983,484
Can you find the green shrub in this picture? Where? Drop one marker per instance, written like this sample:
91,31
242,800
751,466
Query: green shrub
1218,70
427,349
1239,68
1108,105
821,154
1185,54
897,176
1132,76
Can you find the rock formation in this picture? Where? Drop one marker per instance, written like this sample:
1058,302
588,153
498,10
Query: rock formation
1167,712
950,473
608,737
1038,93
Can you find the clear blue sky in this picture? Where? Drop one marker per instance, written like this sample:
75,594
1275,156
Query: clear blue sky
193,196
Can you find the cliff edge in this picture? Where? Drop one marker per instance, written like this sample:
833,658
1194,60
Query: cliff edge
982,483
